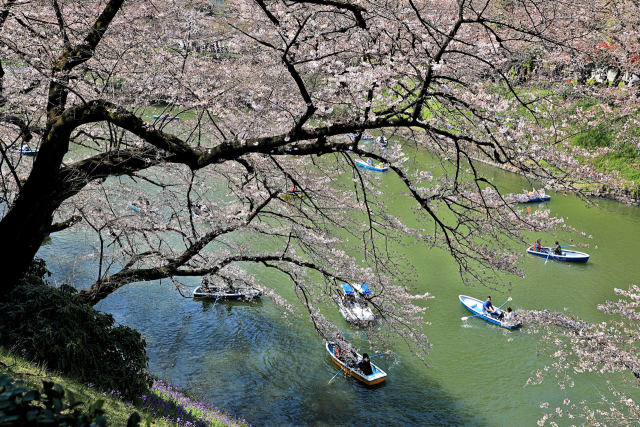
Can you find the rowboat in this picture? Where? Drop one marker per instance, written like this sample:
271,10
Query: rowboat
364,137
226,294
374,167
26,151
292,195
538,199
568,256
165,118
475,306
134,207
376,377
353,306
536,196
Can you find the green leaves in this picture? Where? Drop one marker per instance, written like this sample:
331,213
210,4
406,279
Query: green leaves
48,325
22,406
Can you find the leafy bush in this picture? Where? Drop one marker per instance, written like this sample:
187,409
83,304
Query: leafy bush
20,405
599,136
626,149
50,326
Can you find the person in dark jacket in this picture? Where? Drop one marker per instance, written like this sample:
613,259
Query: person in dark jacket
558,249
365,365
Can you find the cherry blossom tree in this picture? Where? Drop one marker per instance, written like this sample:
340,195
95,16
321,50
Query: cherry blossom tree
204,117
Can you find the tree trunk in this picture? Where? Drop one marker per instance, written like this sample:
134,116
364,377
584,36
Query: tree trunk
30,216
22,231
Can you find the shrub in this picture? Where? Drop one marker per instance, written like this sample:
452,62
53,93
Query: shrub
20,405
50,326
599,136
626,149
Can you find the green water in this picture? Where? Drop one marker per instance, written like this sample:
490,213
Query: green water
247,359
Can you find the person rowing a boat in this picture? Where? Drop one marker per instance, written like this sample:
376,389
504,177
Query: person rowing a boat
487,307
558,249
364,365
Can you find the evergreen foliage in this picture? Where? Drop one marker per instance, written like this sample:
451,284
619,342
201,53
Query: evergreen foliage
48,325
20,405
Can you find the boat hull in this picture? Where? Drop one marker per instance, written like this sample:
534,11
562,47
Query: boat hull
474,305
212,294
567,256
377,377
538,199
365,165
292,195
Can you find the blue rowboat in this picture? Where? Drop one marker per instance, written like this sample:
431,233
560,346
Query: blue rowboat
475,306
26,151
377,167
165,118
538,199
376,377
362,138
568,256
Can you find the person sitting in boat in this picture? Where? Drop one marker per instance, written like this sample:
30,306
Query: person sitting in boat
509,314
342,350
537,246
488,307
206,281
365,365
558,249
350,299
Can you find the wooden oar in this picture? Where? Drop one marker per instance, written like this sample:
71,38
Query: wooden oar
479,314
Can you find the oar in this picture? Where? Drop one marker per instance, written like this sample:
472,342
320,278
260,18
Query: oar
469,317
508,299
336,374
214,303
545,261
345,365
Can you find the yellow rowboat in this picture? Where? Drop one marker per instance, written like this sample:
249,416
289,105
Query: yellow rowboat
292,195
376,377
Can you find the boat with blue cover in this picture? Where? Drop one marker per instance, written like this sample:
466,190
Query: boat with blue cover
566,255
353,306
379,167
474,305
376,377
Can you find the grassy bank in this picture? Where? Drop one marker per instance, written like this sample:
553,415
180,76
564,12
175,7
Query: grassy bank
163,406
602,132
